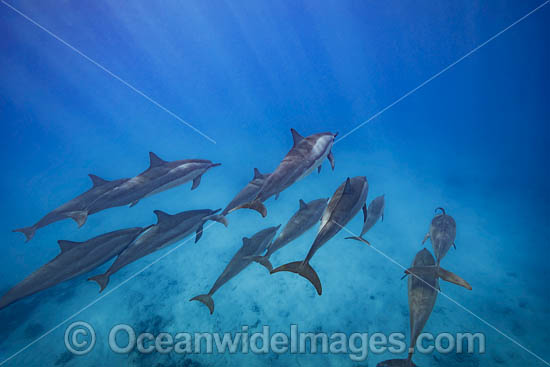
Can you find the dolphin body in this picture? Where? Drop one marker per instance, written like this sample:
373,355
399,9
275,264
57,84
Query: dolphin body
249,192
76,258
304,157
423,288
308,214
168,230
342,207
373,214
160,176
251,248
75,208
442,234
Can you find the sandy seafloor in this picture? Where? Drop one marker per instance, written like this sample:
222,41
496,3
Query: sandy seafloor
475,142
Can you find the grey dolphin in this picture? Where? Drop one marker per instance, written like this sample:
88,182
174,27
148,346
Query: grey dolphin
249,192
308,214
442,234
374,212
423,288
160,176
76,258
168,230
75,208
251,248
304,157
342,207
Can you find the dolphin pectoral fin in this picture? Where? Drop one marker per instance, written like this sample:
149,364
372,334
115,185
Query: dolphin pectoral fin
277,196
358,238
364,212
255,205
206,300
79,217
330,158
196,182
218,218
102,280
452,278
263,260
133,203
199,233
454,245
303,269
397,363
319,168
426,237
27,231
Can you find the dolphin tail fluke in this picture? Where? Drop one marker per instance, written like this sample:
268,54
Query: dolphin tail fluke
264,260
255,205
219,218
358,238
397,363
452,278
205,299
102,280
27,231
303,269
79,217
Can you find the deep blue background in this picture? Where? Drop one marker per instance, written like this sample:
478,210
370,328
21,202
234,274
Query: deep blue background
244,73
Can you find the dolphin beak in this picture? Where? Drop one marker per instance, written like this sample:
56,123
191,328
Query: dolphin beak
215,164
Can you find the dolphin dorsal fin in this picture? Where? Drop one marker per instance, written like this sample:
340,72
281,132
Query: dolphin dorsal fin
154,160
97,181
296,136
347,187
303,204
66,245
257,173
161,216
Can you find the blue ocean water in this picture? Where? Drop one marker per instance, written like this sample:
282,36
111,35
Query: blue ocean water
474,141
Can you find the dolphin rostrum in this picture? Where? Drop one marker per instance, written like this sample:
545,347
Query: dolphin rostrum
76,258
374,212
160,176
249,192
168,230
342,207
304,157
75,208
308,214
442,234
251,248
423,289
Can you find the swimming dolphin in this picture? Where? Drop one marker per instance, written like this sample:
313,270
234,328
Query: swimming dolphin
76,258
306,155
249,192
168,230
442,234
160,176
251,248
342,207
308,214
75,208
374,212
423,289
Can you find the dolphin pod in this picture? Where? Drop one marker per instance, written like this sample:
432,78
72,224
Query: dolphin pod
346,202
298,224
168,230
75,258
251,248
160,176
304,157
423,287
